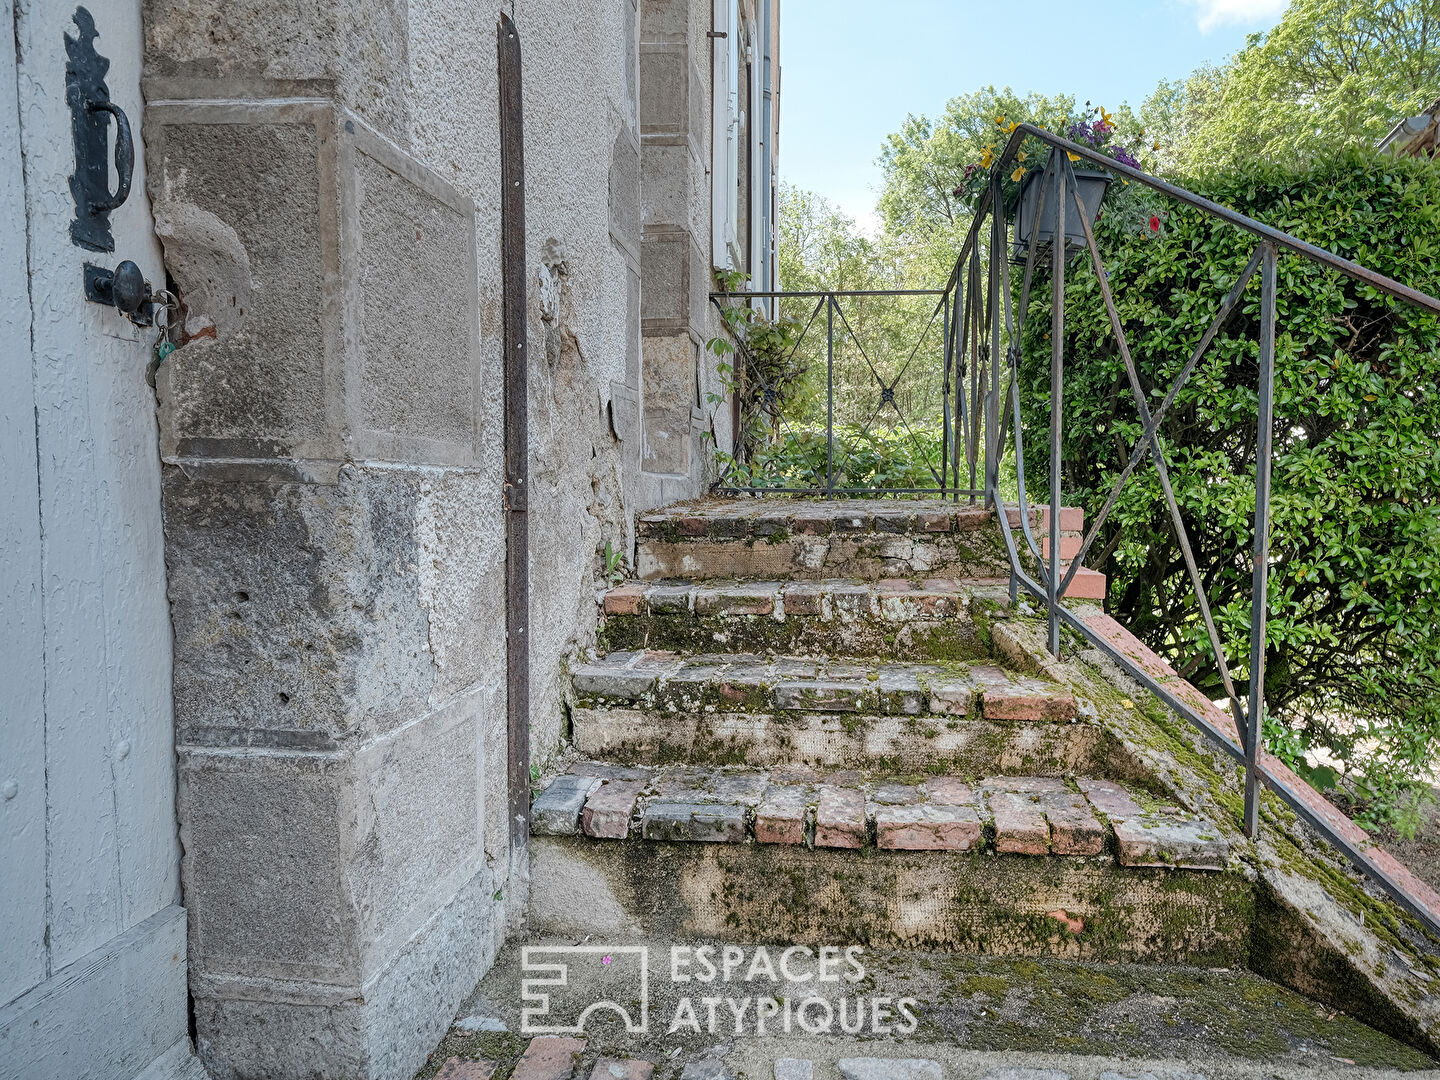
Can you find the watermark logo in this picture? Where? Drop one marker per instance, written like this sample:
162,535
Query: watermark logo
719,990
557,1004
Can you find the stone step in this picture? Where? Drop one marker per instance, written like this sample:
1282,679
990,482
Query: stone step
724,708
778,537
1011,864
1015,815
917,619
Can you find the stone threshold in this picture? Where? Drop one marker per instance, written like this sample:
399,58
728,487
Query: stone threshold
1003,815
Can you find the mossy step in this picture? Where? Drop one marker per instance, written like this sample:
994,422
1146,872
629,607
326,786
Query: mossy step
1013,865
746,682
652,708
1020,815
807,538
903,619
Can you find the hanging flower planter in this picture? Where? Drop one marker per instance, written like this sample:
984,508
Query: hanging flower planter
1092,184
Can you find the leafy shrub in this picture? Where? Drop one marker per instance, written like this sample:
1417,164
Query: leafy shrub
873,458
1353,648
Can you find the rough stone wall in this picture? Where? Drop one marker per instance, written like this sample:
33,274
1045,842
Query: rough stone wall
328,201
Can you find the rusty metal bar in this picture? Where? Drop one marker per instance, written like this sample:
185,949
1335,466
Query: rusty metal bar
829,395
1158,456
1226,307
516,435
745,295
1265,432
1057,395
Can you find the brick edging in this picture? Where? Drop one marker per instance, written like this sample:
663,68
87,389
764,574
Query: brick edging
1419,893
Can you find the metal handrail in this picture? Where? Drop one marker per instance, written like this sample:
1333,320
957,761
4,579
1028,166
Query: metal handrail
985,309
947,476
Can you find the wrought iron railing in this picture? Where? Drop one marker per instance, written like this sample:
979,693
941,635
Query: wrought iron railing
979,368
856,377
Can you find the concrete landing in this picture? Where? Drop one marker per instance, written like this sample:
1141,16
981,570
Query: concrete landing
974,1018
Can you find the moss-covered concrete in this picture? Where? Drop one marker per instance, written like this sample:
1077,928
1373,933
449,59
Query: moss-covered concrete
966,902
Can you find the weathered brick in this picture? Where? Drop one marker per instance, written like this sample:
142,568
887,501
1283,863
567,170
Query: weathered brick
851,601
608,809
840,818
889,793
1072,518
951,697
1026,700
949,791
1069,546
548,1058
972,518
894,521
700,784
941,521
822,696
804,599
1153,840
620,675
1020,827
557,811
1074,829
927,827
667,820
737,600
1110,799
668,599
625,600
900,691
693,526
1087,585
780,817
813,522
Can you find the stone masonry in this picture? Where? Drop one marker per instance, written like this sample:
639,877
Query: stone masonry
325,183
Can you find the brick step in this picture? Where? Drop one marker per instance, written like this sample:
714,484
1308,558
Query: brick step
658,707
918,619
778,537
1009,864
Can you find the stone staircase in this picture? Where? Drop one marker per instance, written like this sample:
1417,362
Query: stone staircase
812,722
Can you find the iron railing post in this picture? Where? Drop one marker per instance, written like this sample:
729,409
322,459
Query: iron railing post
992,395
1258,598
1057,374
945,398
829,396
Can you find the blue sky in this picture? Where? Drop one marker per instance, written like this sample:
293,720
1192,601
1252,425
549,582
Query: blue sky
853,69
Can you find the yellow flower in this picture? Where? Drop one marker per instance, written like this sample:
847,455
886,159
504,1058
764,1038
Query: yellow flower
1013,125
1018,173
1021,156
1072,157
1107,117
1156,146
988,158
1000,120
1127,703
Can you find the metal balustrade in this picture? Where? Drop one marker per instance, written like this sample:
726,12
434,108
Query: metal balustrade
979,375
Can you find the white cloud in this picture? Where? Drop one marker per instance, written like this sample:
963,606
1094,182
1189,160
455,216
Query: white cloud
1213,13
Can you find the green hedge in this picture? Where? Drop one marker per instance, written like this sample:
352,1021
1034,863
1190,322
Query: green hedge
1353,651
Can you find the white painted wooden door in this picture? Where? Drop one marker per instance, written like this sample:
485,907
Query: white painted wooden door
92,946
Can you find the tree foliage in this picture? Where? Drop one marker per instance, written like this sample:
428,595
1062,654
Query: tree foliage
1353,649
1332,73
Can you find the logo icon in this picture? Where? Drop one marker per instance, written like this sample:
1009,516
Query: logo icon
563,985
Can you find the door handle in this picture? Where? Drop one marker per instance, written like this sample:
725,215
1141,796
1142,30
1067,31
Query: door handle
124,156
